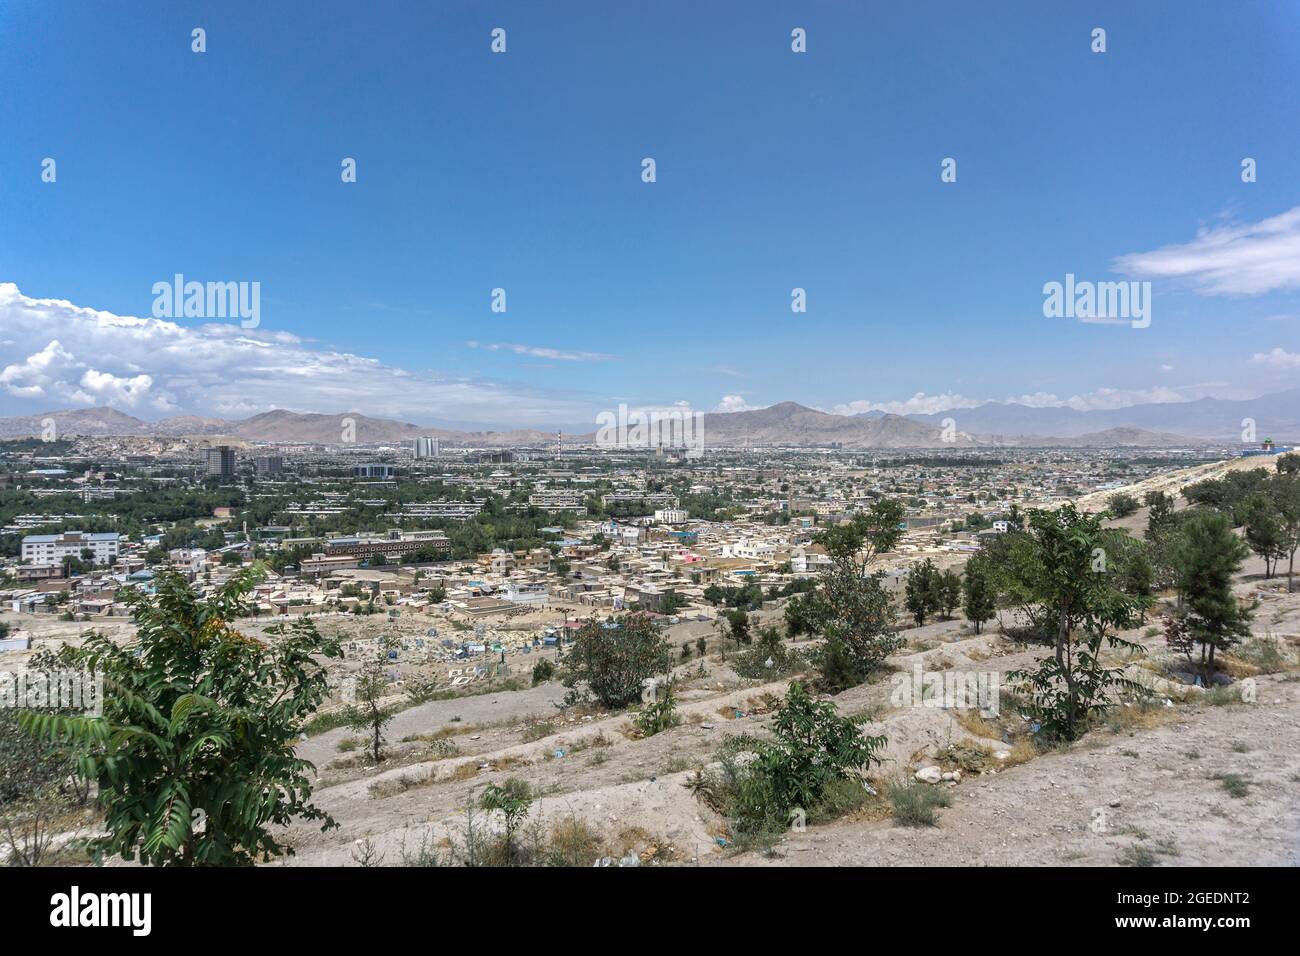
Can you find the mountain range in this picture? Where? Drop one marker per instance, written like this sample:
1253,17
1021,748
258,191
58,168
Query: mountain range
787,424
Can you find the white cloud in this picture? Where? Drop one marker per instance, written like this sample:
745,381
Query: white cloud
38,374
1105,398
735,403
537,351
1248,259
82,356
922,404
1277,358
104,388
918,404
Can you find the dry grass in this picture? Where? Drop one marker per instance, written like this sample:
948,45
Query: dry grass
574,843
1128,717
1022,752
381,789
442,734
466,771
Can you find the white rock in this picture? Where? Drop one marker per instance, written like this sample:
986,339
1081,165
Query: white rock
929,775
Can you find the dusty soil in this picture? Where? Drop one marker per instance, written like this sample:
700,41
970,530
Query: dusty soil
1145,784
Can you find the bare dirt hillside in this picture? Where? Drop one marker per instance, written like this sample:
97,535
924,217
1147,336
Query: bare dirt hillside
1148,786
1173,482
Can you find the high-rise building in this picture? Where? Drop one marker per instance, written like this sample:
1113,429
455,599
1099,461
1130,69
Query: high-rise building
219,461
268,464
426,447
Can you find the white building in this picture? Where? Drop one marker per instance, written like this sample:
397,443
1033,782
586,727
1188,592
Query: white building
426,447
45,549
807,560
750,550
191,560
559,499
671,516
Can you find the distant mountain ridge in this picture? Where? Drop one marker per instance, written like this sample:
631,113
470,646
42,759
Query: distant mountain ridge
1276,415
786,424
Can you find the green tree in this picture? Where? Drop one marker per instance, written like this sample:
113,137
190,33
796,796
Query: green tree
948,592
1071,580
1121,504
1284,491
1207,557
921,591
1264,532
850,608
736,625
366,712
612,660
797,620
979,605
194,754
513,799
543,671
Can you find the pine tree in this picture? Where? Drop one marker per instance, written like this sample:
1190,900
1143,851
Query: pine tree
979,603
1206,557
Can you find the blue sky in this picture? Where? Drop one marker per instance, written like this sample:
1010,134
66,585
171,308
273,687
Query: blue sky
522,171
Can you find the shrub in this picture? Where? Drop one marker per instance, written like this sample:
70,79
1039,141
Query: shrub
1121,504
1235,784
543,671
659,716
513,799
753,664
765,782
914,803
612,660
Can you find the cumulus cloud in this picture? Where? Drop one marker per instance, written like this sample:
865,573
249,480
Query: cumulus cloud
104,388
1249,259
72,355
734,403
1277,358
39,374
918,404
